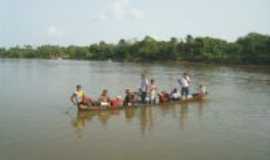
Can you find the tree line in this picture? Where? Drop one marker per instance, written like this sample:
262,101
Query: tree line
254,48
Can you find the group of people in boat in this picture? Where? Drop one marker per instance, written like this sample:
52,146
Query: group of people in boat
147,94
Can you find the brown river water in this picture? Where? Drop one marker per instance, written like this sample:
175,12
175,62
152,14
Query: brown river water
37,120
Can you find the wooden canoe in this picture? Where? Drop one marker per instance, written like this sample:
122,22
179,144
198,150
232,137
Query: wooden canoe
99,108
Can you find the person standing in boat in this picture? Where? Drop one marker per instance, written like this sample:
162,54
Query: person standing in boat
144,88
185,83
79,97
153,92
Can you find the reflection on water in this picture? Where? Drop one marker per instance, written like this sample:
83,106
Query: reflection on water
129,114
146,119
82,118
147,116
183,116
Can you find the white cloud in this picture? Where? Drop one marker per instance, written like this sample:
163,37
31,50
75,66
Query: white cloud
136,13
99,18
119,9
54,32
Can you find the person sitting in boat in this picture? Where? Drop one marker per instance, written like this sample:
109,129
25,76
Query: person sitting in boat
152,92
175,95
164,97
104,99
117,102
129,98
202,91
80,98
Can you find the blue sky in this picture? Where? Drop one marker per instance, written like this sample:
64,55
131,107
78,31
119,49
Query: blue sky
82,22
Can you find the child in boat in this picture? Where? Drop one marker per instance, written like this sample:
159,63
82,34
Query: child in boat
175,95
104,99
164,97
129,98
80,98
202,91
152,92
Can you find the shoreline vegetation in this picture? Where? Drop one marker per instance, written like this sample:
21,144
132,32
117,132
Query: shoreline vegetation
252,49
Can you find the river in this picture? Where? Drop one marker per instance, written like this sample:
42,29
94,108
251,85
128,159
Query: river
37,120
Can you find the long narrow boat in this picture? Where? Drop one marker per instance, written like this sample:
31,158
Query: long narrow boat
99,108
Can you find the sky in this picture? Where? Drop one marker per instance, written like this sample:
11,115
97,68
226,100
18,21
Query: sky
83,22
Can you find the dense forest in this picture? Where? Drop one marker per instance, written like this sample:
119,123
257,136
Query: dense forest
253,48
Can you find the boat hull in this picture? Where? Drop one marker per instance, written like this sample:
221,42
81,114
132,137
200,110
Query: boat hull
99,108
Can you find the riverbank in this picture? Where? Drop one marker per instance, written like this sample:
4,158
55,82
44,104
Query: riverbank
252,49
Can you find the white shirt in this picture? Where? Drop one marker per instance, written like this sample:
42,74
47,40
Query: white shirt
185,82
144,85
176,95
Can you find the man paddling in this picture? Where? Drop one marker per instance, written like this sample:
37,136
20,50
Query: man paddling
79,97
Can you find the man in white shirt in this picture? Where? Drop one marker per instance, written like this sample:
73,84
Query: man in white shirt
185,83
144,87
